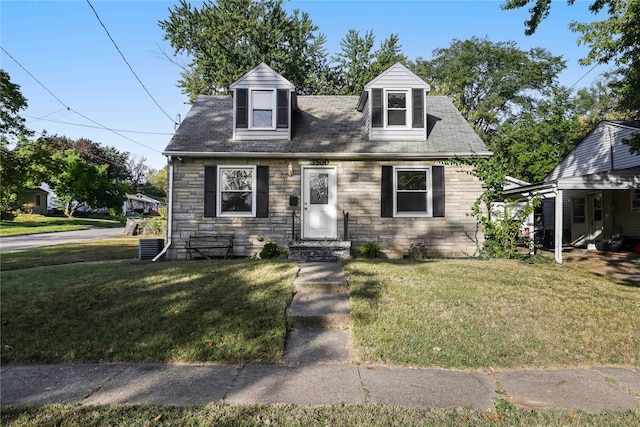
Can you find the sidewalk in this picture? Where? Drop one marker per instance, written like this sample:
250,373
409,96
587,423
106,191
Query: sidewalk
592,389
317,370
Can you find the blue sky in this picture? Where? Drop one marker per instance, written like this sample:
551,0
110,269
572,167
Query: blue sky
63,45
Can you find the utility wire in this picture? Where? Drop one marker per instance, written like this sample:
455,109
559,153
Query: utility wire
129,65
71,109
583,76
95,127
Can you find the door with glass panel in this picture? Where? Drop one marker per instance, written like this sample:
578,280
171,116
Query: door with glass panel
319,217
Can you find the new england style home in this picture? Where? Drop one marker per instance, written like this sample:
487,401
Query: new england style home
265,165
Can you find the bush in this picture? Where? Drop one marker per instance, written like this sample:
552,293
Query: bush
370,250
154,227
270,250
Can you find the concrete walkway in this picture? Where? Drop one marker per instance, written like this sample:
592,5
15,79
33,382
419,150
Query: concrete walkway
318,370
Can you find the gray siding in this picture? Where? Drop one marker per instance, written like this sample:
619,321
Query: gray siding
599,151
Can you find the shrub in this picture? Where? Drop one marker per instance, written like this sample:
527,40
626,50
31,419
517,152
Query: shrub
370,250
270,250
154,227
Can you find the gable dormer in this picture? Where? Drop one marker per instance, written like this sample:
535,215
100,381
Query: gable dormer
394,105
262,105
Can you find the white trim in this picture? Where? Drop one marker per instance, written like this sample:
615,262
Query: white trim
274,106
429,191
219,191
408,118
321,155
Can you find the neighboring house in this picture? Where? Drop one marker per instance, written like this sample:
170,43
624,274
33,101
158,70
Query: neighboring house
270,166
593,195
35,200
141,204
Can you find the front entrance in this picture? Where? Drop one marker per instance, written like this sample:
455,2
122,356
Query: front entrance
319,207
595,220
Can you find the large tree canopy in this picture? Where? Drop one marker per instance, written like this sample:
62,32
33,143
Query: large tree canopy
490,81
614,40
227,38
11,102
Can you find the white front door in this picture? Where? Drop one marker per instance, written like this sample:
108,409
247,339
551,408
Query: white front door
595,219
319,210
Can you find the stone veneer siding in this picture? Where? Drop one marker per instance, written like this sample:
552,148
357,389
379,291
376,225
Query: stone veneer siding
359,190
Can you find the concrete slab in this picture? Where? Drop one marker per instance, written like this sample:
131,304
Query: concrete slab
317,346
176,385
46,384
564,389
628,379
432,388
300,385
319,310
320,274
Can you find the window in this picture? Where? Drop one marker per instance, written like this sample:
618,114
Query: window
38,200
412,191
396,108
635,199
236,191
262,106
578,211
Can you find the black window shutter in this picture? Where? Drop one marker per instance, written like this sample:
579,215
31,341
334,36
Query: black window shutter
242,108
386,194
437,184
418,108
282,113
210,179
262,195
376,108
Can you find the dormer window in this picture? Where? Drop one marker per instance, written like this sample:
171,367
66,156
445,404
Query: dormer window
397,108
263,104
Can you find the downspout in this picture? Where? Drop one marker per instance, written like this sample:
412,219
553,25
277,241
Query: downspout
169,211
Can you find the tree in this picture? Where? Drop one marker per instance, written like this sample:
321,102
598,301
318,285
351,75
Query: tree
78,183
389,53
227,38
490,81
529,145
156,182
615,39
138,171
353,63
11,102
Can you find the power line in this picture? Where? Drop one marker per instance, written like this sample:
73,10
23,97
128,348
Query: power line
129,65
583,76
72,110
95,127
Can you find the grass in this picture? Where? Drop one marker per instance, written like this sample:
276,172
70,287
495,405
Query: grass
474,314
98,250
32,224
138,311
289,415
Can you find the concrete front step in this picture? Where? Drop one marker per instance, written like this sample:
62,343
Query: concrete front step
319,250
320,277
320,310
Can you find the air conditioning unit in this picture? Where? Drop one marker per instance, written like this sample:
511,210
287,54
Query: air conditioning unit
149,248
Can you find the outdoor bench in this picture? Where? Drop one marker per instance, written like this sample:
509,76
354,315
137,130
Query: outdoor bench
209,246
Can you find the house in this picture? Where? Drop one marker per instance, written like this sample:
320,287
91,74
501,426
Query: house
141,204
336,172
593,195
35,200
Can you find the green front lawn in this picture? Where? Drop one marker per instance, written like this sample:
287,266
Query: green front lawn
303,416
139,311
32,224
473,314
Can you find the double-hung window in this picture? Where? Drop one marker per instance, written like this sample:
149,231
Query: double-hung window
263,104
397,108
412,191
236,191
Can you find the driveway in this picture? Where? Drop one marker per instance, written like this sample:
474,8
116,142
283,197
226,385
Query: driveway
11,243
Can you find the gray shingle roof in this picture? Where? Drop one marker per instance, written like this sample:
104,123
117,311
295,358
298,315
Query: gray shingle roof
324,125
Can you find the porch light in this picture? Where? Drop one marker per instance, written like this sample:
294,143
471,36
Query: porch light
290,169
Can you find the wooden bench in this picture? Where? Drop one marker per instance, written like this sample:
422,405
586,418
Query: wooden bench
209,246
